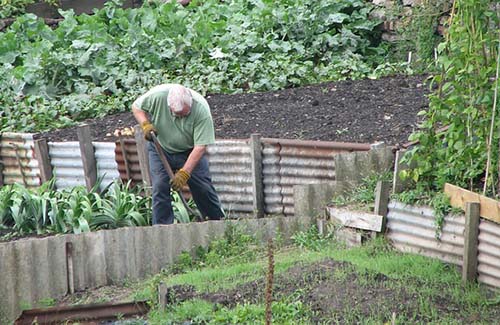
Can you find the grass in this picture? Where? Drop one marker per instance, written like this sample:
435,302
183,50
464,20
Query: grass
425,279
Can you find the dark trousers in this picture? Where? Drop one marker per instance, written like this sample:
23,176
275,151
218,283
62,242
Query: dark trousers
200,184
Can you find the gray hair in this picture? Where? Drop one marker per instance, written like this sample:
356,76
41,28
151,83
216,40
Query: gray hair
179,97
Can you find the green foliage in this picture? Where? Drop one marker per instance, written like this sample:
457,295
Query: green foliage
45,210
462,102
364,194
427,281
12,8
419,33
311,239
439,202
181,214
93,65
234,245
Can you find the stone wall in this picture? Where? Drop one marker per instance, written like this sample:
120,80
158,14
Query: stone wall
397,15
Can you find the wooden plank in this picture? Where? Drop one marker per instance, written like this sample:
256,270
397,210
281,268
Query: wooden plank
382,194
257,179
469,267
43,158
142,152
489,209
88,156
356,219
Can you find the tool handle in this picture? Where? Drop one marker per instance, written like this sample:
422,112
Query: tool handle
170,173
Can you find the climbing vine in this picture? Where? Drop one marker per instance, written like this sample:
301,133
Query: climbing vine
460,130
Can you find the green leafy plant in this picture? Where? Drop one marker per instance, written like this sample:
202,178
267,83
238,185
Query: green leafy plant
93,65
439,202
12,8
459,135
312,239
363,195
45,210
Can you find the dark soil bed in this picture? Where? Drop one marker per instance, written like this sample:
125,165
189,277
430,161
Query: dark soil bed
363,111
334,291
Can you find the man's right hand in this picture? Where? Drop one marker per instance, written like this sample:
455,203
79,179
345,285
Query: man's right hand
147,128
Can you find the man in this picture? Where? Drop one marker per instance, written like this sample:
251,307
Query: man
183,123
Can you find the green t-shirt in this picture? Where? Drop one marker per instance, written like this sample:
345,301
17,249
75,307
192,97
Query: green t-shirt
178,134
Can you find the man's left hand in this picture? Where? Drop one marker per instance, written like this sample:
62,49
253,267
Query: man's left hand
180,179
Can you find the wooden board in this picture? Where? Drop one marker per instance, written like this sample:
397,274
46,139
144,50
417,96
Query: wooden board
356,219
490,209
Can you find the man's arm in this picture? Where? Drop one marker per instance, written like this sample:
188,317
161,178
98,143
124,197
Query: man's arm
194,158
139,115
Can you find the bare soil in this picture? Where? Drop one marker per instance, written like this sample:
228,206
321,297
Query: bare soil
336,293
362,111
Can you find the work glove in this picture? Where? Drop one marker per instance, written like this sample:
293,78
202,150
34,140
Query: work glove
147,128
180,179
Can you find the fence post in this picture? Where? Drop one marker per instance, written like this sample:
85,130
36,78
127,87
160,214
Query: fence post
469,267
257,177
142,153
43,158
88,157
382,192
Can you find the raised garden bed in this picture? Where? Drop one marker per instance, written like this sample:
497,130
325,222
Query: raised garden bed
363,111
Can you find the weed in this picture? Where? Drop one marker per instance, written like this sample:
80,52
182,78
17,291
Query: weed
311,239
47,302
364,194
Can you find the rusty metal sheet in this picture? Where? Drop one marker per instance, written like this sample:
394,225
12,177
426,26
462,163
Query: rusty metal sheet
17,159
83,314
489,253
127,161
412,229
297,162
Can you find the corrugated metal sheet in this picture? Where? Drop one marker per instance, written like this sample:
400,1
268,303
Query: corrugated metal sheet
294,162
67,166
17,158
231,168
412,229
129,168
489,253
107,168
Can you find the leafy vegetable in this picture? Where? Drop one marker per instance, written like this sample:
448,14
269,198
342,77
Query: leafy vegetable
93,65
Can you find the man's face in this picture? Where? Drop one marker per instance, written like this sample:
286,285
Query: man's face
185,111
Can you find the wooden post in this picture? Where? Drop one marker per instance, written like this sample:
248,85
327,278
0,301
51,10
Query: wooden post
257,177
142,153
382,192
43,158
88,157
469,267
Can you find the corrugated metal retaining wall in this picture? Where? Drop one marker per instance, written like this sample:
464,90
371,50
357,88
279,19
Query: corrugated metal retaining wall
67,166
413,229
107,168
16,155
489,253
36,269
231,169
66,161
285,163
293,162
